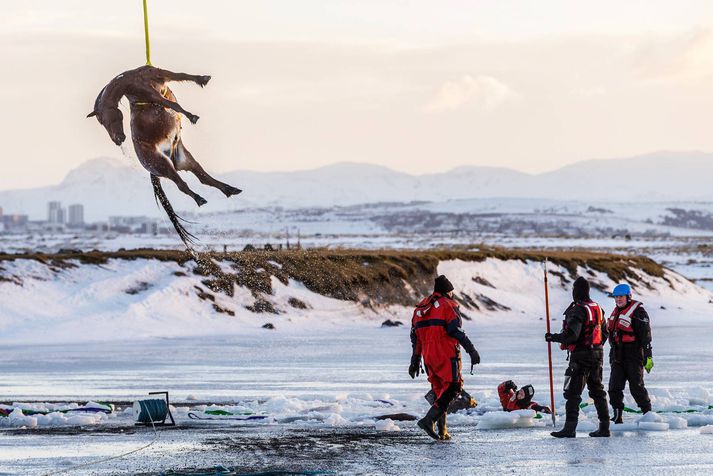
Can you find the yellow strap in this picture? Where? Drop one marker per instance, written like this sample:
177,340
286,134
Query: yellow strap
146,34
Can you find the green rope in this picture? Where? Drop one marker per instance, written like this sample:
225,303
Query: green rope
632,410
146,34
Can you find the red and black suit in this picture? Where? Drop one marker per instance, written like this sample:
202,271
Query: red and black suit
630,338
436,335
583,335
507,392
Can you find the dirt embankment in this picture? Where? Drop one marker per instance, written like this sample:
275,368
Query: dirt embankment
372,277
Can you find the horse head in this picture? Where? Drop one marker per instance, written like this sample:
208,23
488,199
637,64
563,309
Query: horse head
113,121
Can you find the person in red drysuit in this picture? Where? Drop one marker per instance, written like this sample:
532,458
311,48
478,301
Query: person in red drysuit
436,335
513,399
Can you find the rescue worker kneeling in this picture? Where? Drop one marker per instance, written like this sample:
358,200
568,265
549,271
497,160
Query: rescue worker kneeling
583,335
436,335
513,399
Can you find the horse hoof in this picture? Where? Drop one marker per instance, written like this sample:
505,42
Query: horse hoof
193,119
232,191
200,201
203,80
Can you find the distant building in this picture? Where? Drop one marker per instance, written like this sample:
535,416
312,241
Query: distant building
55,213
14,222
75,215
134,224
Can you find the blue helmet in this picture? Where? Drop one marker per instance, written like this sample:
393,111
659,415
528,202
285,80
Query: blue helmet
621,290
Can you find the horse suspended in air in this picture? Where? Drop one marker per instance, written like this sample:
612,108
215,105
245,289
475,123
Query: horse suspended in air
156,132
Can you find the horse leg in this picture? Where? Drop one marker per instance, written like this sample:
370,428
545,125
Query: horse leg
200,80
157,163
176,107
185,161
155,97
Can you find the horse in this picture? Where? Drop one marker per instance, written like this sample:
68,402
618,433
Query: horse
156,132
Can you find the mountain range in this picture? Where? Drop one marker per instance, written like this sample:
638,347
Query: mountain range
109,186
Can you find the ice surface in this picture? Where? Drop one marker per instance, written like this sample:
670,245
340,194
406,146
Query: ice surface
386,425
498,420
653,426
326,370
676,423
651,417
628,426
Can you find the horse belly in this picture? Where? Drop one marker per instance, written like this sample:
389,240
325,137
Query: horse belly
156,129
151,123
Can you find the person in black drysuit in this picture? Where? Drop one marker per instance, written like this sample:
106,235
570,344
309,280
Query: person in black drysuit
583,335
630,339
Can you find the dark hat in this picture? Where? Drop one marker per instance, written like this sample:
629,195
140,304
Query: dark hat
580,290
442,285
529,391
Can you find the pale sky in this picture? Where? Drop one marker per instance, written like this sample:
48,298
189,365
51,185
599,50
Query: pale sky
416,85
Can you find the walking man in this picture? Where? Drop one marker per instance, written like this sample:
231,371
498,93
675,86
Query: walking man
630,339
436,335
583,335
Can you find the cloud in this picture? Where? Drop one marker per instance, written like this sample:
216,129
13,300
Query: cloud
677,57
484,92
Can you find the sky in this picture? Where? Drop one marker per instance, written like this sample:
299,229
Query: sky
415,85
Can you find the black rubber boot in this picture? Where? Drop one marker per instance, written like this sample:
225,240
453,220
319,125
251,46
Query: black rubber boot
618,417
569,430
426,423
603,431
443,429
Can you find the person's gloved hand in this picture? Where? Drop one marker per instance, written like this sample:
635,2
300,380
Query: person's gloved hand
474,357
510,385
549,337
414,369
649,364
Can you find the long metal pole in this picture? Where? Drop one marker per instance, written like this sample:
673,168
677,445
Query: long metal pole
549,348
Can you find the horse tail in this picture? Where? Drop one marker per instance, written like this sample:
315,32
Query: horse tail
161,199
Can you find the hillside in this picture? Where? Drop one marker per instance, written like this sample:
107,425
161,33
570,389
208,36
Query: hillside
150,293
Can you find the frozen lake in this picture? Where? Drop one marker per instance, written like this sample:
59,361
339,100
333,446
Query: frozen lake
346,368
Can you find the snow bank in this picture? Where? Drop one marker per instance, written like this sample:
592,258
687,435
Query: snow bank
127,300
518,285
147,298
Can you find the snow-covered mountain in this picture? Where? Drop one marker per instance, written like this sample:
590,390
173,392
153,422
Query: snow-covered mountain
109,186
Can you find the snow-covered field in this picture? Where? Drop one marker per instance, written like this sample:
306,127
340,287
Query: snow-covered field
320,378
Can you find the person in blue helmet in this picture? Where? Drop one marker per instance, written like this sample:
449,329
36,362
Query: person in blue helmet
630,339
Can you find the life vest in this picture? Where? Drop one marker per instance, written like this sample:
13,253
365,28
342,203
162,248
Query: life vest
620,323
591,335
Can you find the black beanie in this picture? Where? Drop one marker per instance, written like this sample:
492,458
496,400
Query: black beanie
529,392
442,285
580,290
